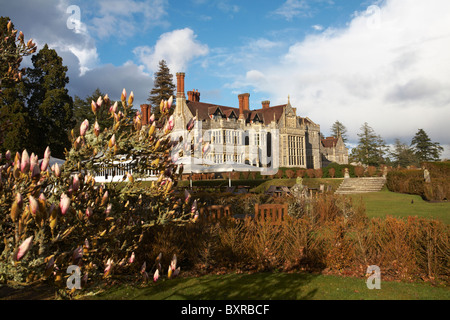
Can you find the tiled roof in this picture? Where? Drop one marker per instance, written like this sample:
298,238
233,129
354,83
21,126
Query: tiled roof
329,142
205,109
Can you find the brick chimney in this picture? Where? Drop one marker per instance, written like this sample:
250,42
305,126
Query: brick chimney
241,106
265,104
144,114
180,85
194,95
246,101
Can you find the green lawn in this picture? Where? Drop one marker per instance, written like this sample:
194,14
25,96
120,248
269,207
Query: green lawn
275,286
384,203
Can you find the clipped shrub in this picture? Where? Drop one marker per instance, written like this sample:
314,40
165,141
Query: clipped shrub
310,173
371,171
290,174
359,171
332,172
318,173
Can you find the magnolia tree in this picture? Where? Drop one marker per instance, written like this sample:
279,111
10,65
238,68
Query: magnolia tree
53,218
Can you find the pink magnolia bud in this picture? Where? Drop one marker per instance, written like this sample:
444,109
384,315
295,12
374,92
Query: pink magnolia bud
108,209
112,141
8,155
132,258
94,107
131,98
56,170
169,102
123,97
47,153
44,164
84,127
170,123
152,118
108,267
25,162
75,183
156,275
113,108
99,101
23,248
89,212
34,206
64,204
96,129
33,162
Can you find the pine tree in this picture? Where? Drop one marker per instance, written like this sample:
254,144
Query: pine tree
14,130
403,155
338,129
371,147
163,87
50,106
424,149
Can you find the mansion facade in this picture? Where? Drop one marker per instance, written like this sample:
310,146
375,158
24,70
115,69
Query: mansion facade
264,136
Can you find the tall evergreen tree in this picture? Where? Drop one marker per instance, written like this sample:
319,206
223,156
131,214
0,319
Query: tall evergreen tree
424,149
163,87
371,147
14,129
402,155
338,129
50,106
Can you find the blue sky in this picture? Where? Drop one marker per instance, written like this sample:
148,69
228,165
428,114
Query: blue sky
384,62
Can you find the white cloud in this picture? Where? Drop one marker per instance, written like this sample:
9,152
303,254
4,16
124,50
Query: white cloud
178,48
293,8
317,27
388,67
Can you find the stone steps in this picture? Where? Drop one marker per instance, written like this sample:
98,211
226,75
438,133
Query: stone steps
361,185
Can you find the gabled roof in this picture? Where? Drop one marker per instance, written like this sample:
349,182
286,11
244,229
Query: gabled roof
206,109
329,142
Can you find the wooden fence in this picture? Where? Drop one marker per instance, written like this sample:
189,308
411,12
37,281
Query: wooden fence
215,212
275,213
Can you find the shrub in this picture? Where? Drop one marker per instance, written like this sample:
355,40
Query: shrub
289,174
359,171
318,173
54,218
310,173
332,172
371,171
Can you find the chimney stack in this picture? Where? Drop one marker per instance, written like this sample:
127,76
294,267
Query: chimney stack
194,95
246,101
241,106
265,104
180,85
144,114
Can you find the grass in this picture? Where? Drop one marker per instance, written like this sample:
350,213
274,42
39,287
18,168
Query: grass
311,183
274,286
384,203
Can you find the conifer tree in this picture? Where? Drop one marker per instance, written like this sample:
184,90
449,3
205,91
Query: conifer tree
338,129
371,147
424,149
163,88
50,105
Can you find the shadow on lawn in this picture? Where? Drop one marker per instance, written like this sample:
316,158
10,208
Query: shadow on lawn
258,286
